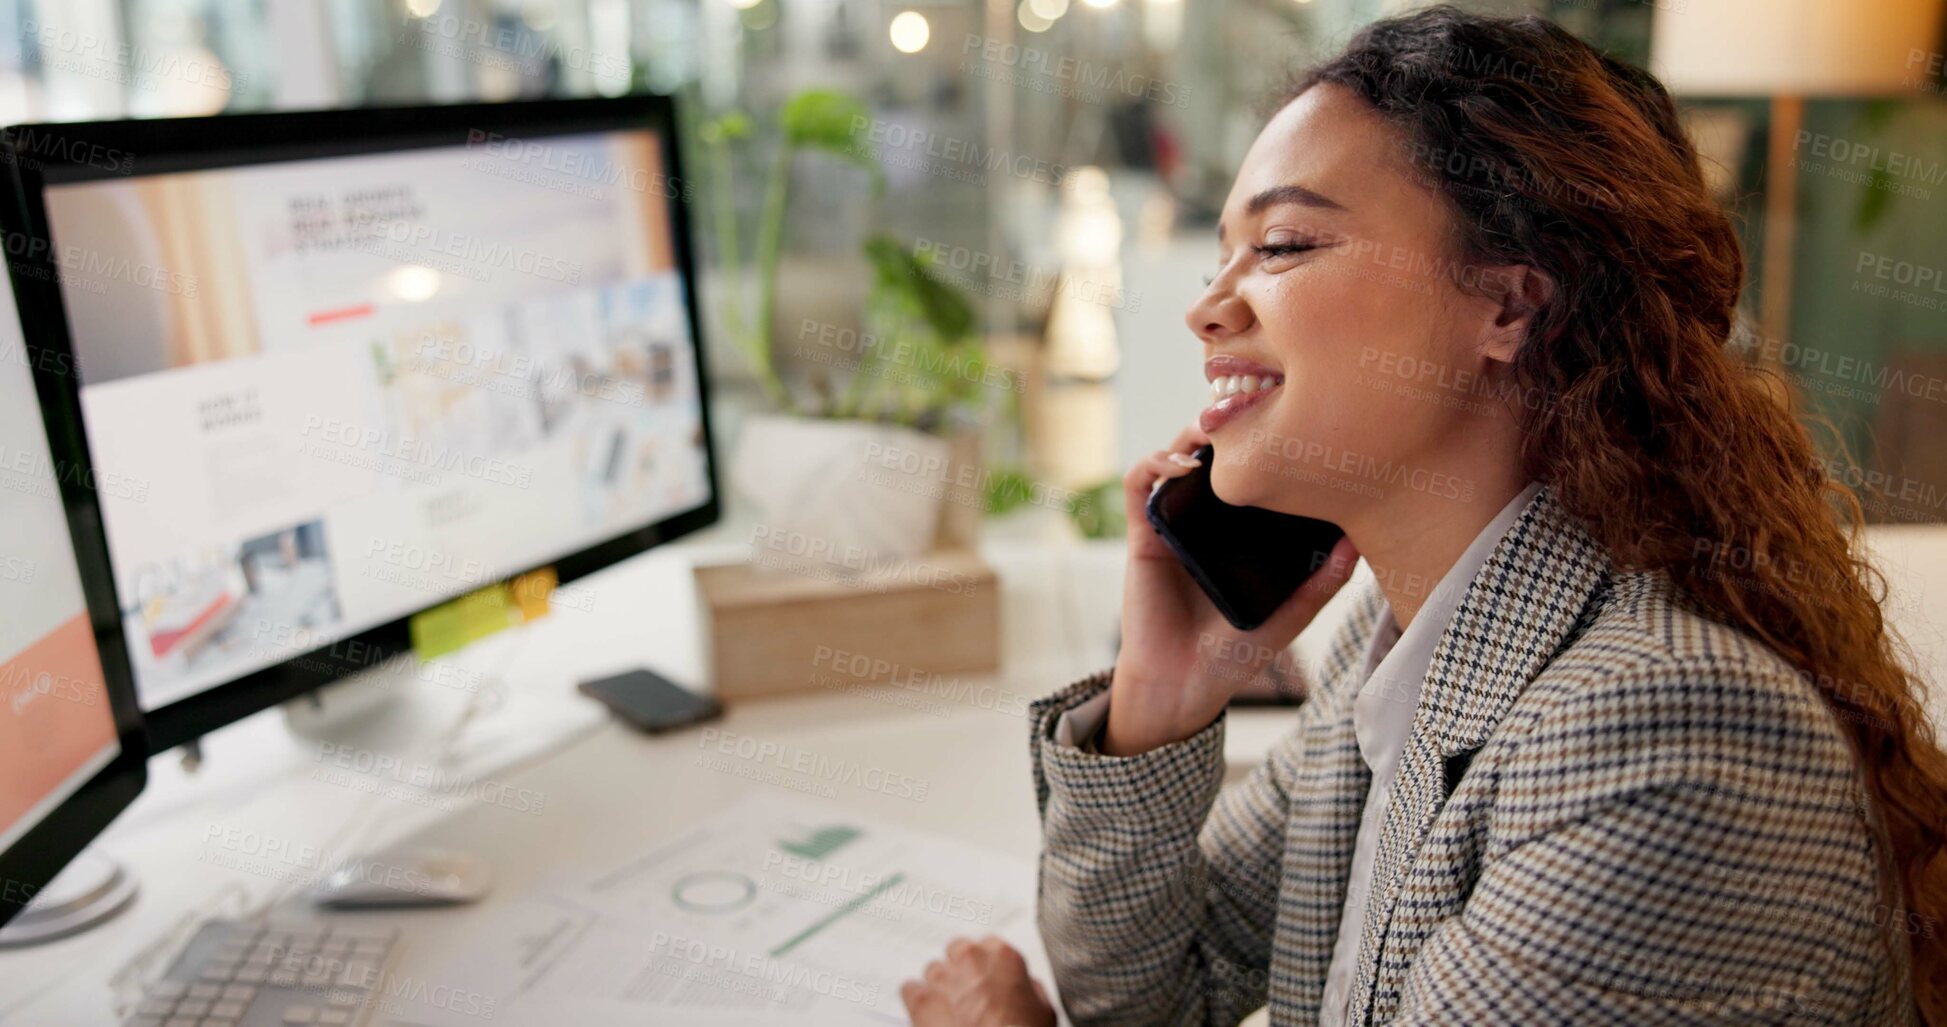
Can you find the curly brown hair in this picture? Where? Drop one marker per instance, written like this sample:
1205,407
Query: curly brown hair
1672,451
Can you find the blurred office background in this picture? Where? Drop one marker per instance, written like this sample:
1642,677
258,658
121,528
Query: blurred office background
1064,159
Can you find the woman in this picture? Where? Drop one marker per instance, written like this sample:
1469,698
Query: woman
1618,735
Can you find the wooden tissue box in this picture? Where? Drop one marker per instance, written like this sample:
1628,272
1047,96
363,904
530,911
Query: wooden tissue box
787,627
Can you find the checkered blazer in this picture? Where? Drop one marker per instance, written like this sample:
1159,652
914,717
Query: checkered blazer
1611,811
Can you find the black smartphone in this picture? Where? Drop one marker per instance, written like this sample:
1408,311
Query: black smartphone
651,702
1247,559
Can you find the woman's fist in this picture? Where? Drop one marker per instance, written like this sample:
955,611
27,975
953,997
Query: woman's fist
982,983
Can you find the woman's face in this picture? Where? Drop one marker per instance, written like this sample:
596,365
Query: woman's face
1337,284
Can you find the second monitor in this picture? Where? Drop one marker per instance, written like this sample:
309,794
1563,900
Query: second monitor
334,368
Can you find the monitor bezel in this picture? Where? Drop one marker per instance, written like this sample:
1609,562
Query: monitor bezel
45,849
39,853
93,151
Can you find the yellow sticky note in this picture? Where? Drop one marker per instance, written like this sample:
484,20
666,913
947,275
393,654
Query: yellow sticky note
532,592
455,623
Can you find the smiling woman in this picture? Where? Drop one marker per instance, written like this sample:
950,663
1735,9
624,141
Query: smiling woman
1591,749
1309,288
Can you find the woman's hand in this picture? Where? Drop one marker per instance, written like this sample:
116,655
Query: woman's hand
981,983
1181,661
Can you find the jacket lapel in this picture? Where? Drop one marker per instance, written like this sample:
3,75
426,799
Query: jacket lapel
1322,823
1515,616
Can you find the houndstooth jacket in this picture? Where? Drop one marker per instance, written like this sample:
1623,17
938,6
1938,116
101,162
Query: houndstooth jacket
1611,811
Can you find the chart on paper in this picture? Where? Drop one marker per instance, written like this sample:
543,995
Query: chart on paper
773,911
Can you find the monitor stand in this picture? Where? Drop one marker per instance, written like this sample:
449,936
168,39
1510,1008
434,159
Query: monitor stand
86,892
330,709
369,709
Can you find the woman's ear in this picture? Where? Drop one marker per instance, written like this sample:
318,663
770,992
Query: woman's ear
1522,292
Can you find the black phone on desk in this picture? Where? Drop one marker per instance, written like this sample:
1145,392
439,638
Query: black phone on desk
1247,559
651,702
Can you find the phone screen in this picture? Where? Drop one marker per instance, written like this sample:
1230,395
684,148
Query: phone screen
1247,559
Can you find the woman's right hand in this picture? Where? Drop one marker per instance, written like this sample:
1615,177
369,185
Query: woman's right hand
1181,661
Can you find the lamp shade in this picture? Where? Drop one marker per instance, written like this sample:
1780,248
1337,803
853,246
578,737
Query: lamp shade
1799,47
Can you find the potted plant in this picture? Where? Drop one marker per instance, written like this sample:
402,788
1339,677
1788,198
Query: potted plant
875,445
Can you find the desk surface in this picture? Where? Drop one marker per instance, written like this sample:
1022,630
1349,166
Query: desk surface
229,836
266,805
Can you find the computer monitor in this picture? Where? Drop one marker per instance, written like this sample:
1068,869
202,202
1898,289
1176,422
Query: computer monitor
71,752
337,367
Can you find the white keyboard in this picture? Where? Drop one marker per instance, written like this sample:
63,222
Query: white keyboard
236,974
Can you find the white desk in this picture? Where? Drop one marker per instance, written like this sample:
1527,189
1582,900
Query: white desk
606,792
609,792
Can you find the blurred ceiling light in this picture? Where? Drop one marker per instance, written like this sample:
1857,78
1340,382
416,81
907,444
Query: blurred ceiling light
414,283
745,5
910,32
539,15
1049,9
1100,3
1092,234
1088,182
1032,20
422,8
1089,231
1081,332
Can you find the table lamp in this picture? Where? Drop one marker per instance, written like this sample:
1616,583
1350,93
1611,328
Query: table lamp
1789,50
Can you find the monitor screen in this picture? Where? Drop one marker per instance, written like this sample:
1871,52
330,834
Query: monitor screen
57,728
323,394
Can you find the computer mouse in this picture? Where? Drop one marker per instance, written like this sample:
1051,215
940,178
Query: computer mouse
405,877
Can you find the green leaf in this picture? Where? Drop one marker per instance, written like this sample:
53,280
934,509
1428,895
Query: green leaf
829,120
1872,205
733,125
936,301
928,324
1874,117
1097,511
1007,488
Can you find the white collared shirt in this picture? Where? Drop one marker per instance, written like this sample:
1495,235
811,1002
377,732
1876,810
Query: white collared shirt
1382,719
